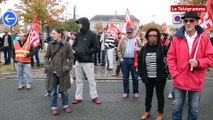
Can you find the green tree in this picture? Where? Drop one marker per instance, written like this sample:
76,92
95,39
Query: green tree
70,25
47,11
67,25
98,26
140,27
150,25
191,2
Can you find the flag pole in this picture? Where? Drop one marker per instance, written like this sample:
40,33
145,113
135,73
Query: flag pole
196,49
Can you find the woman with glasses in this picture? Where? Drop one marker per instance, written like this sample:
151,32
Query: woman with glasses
152,70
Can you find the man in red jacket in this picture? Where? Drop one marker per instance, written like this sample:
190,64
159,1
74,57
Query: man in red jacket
189,55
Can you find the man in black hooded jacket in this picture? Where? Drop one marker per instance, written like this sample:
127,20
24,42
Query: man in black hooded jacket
85,45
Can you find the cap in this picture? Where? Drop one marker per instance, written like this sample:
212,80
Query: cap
190,15
129,30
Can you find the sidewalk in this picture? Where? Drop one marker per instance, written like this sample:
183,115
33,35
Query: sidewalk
38,73
101,73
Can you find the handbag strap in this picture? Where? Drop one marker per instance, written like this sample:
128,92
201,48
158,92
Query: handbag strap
55,53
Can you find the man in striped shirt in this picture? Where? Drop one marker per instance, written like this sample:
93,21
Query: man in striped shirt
109,46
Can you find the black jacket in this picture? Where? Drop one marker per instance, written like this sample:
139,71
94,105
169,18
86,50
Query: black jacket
86,42
1,43
162,72
9,41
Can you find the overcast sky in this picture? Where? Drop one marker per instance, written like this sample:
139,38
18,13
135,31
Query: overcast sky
145,10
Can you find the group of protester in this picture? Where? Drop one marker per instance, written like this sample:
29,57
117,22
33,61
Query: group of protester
7,42
187,55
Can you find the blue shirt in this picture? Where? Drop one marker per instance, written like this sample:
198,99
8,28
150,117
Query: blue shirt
130,48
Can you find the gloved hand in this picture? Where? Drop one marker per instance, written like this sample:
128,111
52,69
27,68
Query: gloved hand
67,68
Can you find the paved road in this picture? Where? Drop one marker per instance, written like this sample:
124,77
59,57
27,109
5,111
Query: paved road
33,105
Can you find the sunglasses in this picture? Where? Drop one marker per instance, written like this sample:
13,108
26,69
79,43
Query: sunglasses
190,21
152,35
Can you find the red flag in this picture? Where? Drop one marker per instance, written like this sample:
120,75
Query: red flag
28,43
34,33
128,22
135,63
107,25
210,7
113,28
206,18
165,28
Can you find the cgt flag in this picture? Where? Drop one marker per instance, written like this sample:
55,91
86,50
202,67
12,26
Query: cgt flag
128,22
33,37
34,33
113,28
210,7
207,17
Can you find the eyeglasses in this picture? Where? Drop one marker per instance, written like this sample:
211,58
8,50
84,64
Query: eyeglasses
152,35
190,21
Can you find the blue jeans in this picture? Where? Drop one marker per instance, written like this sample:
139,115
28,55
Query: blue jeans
7,54
97,58
36,57
53,95
103,60
22,69
193,101
173,92
126,66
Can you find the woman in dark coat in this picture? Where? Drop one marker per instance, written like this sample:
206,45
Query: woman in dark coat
152,70
58,61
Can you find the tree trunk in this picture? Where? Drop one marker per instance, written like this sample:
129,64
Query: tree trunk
42,36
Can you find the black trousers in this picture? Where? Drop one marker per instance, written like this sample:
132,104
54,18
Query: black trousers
159,88
118,68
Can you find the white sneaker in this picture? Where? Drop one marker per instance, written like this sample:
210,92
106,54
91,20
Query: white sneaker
170,96
125,95
136,95
71,80
47,94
